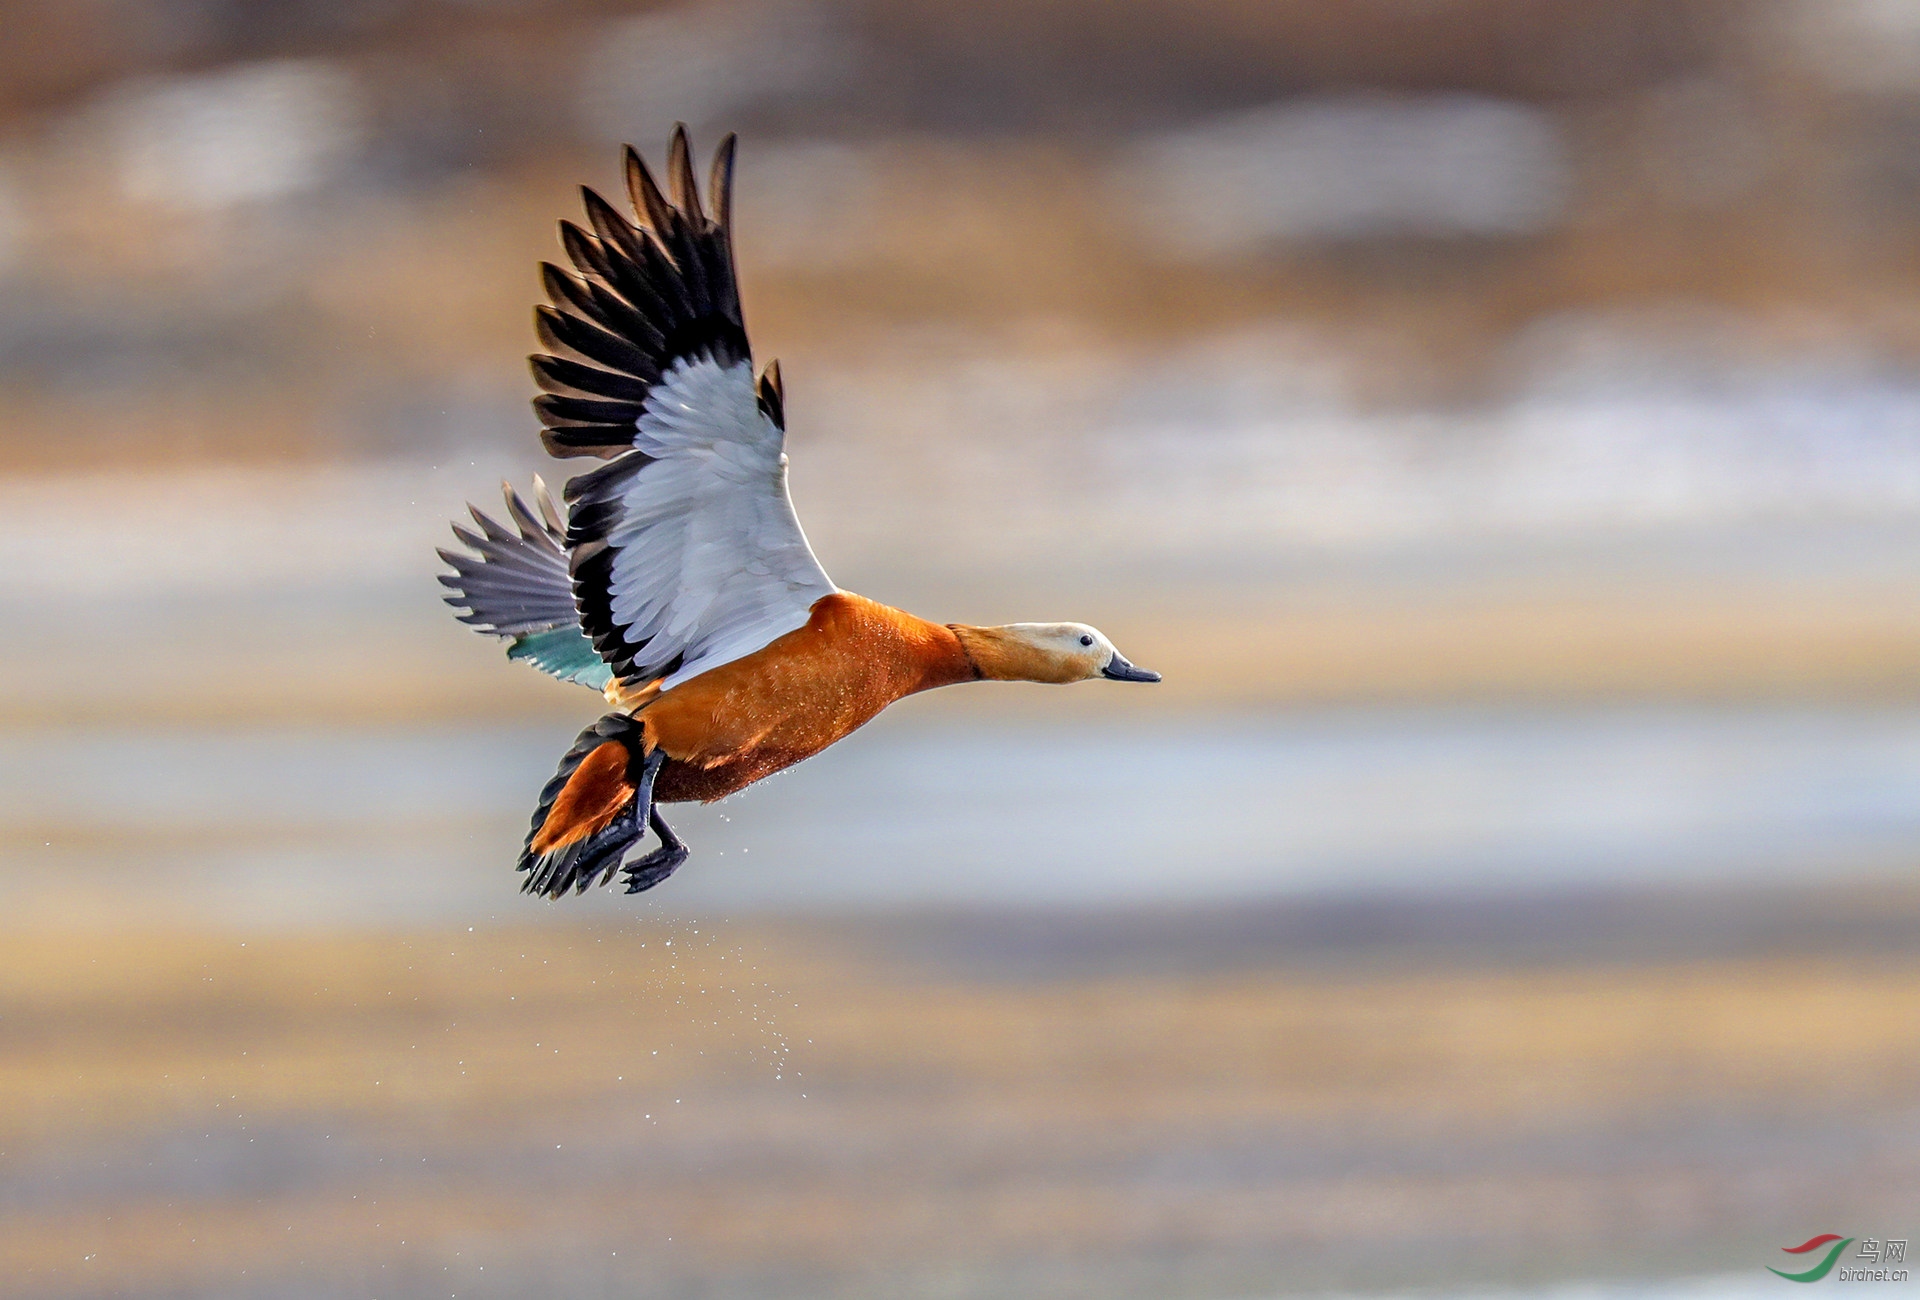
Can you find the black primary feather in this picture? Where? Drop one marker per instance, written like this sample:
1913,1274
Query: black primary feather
648,203
772,395
680,177
593,507
720,184
645,293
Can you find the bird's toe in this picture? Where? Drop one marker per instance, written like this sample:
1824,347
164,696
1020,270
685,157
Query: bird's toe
644,873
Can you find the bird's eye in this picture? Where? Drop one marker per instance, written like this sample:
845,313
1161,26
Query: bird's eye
1086,640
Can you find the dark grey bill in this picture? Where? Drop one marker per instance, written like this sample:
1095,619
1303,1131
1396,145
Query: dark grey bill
1121,671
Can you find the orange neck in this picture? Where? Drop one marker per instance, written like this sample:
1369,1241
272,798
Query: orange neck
998,655
938,657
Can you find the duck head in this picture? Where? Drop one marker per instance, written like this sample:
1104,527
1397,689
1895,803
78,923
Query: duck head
1047,652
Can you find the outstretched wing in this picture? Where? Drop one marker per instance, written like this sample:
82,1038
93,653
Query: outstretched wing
685,551
515,584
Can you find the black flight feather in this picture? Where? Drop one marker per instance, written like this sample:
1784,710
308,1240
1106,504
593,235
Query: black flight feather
559,375
772,397
652,290
680,177
648,203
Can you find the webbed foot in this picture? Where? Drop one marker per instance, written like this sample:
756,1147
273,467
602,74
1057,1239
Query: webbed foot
644,873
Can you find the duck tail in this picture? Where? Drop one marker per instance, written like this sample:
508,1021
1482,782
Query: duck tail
592,811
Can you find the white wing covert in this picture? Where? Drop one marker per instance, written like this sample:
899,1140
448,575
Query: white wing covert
684,550
687,549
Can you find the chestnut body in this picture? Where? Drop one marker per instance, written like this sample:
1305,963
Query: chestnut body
742,721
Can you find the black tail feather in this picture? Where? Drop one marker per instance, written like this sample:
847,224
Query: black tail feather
594,858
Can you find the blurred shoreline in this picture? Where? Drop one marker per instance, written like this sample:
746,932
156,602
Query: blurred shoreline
321,826
276,596
1627,1090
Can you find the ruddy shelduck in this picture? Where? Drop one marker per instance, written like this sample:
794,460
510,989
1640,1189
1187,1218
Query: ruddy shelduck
680,583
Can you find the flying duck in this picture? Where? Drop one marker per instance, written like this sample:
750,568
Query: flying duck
679,583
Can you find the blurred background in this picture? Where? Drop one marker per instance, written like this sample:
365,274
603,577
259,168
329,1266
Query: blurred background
1498,419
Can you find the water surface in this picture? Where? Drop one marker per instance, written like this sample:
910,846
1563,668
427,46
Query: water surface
316,825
